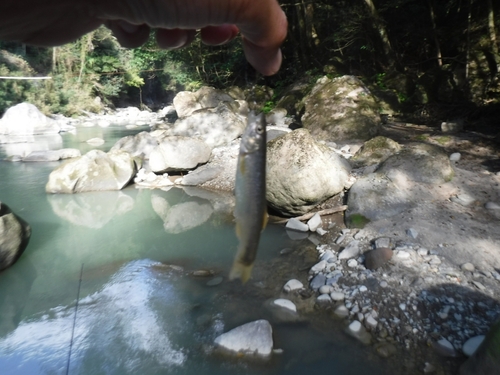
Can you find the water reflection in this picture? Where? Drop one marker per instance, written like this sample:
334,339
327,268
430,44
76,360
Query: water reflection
92,209
25,145
122,329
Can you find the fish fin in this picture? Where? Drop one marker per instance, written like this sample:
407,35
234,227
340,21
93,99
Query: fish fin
265,220
241,165
241,271
238,230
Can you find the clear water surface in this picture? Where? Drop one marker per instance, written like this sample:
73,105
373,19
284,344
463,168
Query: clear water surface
127,257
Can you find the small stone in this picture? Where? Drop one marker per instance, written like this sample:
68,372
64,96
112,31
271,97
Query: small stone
445,348
323,299
401,254
383,284
292,285
95,141
455,156
492,206
318,267
357,330
340,239
402,306
285,303
321,231
377,258
341,311
295,224
355,326
254,338
318,281
383,242
370,323
363,288
350,251
471,345
314,222
337,296
327,255
215,281
326,289
429,368
352,263
423,252
478,285
468,267
412,233
385,349
463,199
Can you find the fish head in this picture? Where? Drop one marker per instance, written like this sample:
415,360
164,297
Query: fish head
254,136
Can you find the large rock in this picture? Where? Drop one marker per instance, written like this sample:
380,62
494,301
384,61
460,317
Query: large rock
94,171
401,177
140,144
341,109
53,155
178,154
302,173
486,359
420,162
216,126
25,119
375,151
251,339
187,102
14,236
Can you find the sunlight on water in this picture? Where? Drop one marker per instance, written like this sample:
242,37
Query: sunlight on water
140,309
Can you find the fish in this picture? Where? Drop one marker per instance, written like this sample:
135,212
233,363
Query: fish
250,192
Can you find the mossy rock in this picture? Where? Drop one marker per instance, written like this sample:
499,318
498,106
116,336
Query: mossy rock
375,151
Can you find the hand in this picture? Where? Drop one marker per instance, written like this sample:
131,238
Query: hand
262,23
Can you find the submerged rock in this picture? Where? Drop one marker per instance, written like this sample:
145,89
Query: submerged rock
251,339
14,236
94,171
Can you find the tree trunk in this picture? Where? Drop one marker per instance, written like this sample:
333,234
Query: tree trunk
382,31
434,31
493,35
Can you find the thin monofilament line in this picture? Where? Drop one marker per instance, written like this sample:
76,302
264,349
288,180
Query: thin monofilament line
74,320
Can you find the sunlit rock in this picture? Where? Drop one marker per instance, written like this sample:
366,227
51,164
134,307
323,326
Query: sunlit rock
94,171
178,154
91,210
302,173
187,102
53,155
14,236
136,145
26,119
251,339
24,145
376,150
341,109
216,126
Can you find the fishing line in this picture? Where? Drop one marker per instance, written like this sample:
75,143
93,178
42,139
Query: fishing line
74,320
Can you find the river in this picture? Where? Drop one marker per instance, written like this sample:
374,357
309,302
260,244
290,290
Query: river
106,283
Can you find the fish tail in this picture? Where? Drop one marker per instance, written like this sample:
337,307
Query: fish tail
241,271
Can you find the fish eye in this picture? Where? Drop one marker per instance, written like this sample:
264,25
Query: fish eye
260,129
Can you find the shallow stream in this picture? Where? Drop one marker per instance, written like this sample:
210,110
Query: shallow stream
106,285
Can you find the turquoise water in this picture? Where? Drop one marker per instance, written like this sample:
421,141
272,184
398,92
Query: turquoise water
127,258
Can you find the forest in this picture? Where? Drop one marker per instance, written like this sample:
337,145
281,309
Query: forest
429,58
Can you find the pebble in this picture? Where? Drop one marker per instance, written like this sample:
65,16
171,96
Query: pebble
323,299
292,285
297,225
355,327
413,233
315,222
370,323
341,311
455,156
285,303
383,284
383,242
401,254
492,206
321,231
318,267
327,255
350,251
377,258
215,281
326,289
471,345
340,239
468,267
352,263
402,306
363,288
337,296
423,251
357,330
445,348
478,285
318,281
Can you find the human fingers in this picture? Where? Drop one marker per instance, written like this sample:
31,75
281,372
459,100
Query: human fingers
217,35
129,35
174,38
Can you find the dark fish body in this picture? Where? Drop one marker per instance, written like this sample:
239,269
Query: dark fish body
250,192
